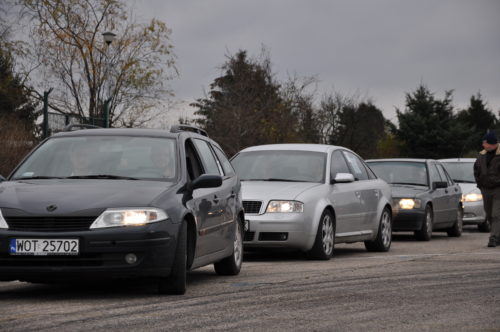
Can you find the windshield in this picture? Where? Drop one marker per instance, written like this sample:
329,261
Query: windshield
401,172
293,166
460,171
112,157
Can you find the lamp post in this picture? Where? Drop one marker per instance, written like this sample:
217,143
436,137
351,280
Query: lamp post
108,39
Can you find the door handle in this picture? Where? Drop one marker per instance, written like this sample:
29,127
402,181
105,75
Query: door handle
216,199
358,194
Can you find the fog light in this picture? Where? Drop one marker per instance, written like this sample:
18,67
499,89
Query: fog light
130,258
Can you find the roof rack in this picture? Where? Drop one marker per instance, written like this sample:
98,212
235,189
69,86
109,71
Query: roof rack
71,127
181,127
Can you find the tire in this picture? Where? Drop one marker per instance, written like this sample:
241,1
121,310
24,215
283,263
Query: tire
384,235
324,242
231,266
425,233
175,283
485,227
456,229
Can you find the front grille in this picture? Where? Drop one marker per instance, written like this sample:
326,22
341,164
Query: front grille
49,224
252,206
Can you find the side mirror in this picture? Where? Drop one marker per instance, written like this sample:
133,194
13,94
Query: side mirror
203,181
206,181
439,184
343,178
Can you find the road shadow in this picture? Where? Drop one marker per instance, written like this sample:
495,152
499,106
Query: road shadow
112,290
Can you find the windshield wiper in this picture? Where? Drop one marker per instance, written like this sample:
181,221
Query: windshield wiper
409,183
101,176
40,177
275,179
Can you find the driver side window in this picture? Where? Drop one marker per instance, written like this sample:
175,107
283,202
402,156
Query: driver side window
338,164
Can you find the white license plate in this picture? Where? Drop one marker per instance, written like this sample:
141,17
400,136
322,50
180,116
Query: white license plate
44,247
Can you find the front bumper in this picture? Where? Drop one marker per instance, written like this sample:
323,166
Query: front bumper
101,254
408,220
279,230
473,213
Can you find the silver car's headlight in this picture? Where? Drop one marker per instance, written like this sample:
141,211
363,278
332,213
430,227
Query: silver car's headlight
409,203
129,217
284,206
3,223
472,197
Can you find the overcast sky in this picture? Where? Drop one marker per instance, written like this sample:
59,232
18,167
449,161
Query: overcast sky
380,49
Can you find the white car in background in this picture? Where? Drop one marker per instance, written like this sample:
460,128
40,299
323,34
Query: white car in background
311,196
462,172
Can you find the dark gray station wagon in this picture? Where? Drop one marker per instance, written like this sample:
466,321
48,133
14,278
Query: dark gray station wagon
121,203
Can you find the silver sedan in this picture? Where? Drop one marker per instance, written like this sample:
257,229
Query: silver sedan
311,196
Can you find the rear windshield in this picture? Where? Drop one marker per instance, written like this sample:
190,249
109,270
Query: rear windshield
120,156
293,166
460,171
401,172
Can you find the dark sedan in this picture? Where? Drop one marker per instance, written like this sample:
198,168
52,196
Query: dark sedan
121,203
425,198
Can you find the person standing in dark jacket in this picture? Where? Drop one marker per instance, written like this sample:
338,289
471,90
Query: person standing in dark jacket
487,174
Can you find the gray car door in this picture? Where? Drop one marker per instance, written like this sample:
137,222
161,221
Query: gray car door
346,199
208,208
453,193
439,196
367,192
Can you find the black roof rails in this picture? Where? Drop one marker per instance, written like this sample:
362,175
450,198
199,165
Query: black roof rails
181,127
71,127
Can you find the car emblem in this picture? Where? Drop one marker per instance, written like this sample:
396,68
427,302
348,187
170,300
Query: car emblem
51,208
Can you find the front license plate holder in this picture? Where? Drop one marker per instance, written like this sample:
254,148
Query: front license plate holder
44,247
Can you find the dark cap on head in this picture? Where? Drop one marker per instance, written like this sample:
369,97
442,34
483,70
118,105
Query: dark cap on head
490,137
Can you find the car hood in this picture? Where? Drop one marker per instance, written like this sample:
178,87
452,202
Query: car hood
262,190
71,196
468,188
409,191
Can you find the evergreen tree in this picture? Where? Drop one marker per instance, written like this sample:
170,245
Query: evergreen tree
478,119
244,106
427,127
15,101
359,127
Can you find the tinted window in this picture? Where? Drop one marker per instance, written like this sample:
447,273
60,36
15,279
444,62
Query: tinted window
460,171
208,158
226,165
338,164
434,174
284,165
401,172
443,174
356,166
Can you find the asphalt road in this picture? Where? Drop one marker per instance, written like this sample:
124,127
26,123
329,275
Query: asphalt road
447,284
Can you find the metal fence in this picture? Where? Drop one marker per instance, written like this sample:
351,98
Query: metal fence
57,121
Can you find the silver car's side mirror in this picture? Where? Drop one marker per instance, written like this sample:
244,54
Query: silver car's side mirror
343,178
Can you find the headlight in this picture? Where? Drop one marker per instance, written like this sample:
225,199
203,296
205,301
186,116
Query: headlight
472,197
409,203
129,217
285,206
3,223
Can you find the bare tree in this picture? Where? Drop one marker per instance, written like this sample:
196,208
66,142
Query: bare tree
84,71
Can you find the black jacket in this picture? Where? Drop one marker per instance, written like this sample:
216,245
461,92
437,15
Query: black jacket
487,177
